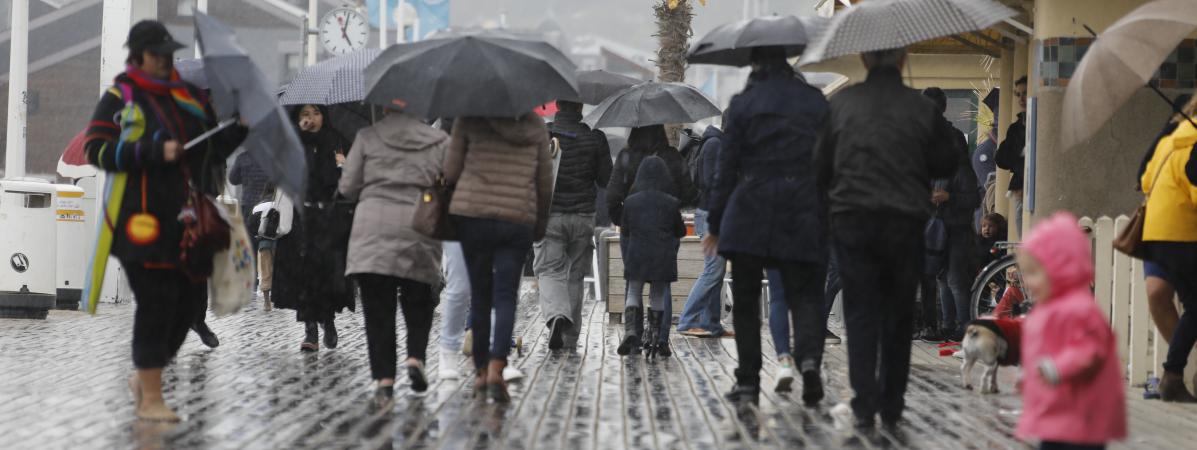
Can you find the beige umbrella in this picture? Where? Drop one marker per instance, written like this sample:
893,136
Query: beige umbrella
1120,62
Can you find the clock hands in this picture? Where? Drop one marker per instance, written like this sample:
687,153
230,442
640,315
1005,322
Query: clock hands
344,31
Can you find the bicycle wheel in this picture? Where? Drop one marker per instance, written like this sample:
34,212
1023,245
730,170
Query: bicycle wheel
989,285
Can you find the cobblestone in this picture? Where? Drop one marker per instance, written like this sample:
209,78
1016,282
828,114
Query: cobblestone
62,385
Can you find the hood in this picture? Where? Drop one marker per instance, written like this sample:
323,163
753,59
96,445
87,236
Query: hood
712,132
1064,250
525,130
653,175
1184,136
404,132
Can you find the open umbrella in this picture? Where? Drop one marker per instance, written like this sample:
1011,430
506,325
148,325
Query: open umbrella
731,44
828,82
73,162
239,89
1120,62
192,71
473,75
652,103
885,24
594,86
332,81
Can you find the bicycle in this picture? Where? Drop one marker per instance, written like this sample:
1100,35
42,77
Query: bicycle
990,284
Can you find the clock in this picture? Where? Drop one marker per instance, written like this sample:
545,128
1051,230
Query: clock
344,30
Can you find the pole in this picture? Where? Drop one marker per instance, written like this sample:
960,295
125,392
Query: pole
415,29
400,22
383,18
313,10
201,6
18,90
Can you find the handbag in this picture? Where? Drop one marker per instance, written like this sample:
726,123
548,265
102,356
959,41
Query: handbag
232,283
431,217
277,219
1129,240
205,232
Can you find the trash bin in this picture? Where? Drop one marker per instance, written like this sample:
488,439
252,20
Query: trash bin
28,247
73,250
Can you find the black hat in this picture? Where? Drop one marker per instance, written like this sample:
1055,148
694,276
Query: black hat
152,36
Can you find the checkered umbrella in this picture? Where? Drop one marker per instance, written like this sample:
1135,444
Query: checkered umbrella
885,24
336,80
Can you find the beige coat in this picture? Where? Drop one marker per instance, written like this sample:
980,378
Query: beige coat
503,169
388,167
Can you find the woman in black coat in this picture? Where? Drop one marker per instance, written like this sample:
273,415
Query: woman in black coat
652,229
642,143
309,262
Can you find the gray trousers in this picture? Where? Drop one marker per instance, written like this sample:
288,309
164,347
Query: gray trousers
562,263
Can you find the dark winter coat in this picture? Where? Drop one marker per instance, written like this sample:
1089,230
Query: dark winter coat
585,164
881,146
708,164
252,179
652,225
643,143
1010,153
765,202
138,152
963,197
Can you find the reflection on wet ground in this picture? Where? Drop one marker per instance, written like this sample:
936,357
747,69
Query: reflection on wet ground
62,385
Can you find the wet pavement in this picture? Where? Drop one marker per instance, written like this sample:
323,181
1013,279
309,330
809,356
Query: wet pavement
62,385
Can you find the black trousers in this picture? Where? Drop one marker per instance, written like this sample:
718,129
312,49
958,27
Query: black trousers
167,302
803,285
881,262
380,294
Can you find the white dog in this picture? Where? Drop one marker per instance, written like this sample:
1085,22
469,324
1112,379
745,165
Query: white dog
992,342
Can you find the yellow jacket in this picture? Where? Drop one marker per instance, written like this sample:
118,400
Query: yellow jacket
1172,207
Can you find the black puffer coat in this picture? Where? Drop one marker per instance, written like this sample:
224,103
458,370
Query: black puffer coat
585,163
652,225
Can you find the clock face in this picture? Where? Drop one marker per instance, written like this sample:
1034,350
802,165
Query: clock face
344,30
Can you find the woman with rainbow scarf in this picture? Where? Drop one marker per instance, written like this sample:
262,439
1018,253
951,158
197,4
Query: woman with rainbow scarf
137,135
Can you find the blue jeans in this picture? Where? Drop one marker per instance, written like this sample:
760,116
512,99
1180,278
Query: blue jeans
495,251
779,313
704,306
455,297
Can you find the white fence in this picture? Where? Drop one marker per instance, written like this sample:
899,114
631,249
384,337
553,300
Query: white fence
1122,294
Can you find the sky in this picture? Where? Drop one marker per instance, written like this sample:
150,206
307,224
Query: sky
627,21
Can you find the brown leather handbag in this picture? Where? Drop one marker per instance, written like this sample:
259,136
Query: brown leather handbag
205,232
432,212
1130,239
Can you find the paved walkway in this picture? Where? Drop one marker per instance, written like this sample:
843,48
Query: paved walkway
62,385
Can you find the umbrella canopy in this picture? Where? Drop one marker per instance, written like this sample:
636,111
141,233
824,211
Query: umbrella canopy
474,75
73,162
239,89
885,24
652,103
828,82
192,71
336,80
1120,62
731,44
594,86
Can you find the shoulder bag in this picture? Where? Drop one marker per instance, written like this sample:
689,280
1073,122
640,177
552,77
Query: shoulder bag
1130,239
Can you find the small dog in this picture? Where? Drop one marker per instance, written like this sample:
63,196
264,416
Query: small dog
993,342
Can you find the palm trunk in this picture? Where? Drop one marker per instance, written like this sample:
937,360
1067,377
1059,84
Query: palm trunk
673,34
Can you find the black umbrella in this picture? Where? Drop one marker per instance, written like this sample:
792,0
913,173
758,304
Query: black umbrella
240,90
594,86
731,44
474,75
652,103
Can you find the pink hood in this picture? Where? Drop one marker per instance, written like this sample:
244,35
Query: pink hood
1064,250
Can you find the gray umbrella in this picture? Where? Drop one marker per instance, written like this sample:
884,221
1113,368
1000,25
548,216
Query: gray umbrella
652,103
594,86
885,24
240,90
332,81
192,71
731,44
475,75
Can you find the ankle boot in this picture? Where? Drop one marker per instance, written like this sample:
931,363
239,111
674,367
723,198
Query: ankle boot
1172,389
311,337
652,333
330,333
633,322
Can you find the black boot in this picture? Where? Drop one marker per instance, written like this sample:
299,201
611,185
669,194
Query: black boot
812,383
330,333
557,328
205,334
633,322
744,393
652,334
311,337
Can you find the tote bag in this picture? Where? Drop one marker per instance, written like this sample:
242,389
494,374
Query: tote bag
232,284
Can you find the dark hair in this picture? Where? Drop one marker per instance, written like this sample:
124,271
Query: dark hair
995,219
938,96
569,107
1021,81
135,58
884,58
648,138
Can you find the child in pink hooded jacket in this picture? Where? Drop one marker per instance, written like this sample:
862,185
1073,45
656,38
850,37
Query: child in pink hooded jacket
1073,393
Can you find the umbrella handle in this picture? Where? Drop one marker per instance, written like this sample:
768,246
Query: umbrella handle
219,127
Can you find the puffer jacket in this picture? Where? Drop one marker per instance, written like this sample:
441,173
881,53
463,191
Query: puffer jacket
585,164
503,169
387,170
652,225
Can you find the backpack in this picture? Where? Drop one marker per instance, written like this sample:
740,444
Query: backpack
692,154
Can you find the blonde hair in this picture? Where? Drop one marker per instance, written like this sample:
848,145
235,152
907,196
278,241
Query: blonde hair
1189,109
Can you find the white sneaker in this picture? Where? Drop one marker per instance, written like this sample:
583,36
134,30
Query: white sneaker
785,374
511,374
447,369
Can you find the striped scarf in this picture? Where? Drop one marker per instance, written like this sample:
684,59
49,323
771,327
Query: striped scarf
175,87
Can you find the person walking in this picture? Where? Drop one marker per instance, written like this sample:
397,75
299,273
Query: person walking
306,278
703,311
1011,154
877,181
265,246
1171,242
503,171
653,229
389,166
562,259
766,214
137,133
1073,393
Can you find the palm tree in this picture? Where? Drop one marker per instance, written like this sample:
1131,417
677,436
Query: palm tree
673,35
